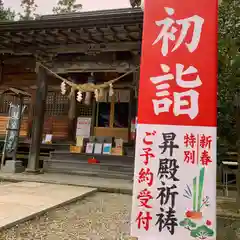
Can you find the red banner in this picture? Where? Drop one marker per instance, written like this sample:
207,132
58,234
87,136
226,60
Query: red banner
178,82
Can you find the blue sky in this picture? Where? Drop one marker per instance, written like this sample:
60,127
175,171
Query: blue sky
45,6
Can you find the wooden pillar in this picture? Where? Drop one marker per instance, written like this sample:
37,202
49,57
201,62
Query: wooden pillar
112,112
130,116
38,121
30,113
72,117
72,113
1,72
136,77
93,116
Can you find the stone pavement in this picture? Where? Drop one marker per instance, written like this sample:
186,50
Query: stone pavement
24,200
102,184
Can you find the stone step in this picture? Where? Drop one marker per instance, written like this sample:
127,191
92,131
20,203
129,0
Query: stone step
84,163
65,156
91,172
121,167
89,168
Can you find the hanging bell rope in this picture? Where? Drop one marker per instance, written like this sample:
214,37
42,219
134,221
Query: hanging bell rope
87,87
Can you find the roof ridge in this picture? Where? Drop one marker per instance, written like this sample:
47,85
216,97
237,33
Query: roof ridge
117,11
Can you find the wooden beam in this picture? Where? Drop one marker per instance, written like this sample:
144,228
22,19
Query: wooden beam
70,38
4,45
52,37
37,36
14,38
94,34
70,32
16,51
102,47
123,30
9,37
21,63
84,66
38,121
79,35
99,35
21,40
74,48
42,55
59,35
111,30
85,35
46,36
134,35
7,45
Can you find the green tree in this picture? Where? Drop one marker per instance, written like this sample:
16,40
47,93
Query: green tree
229,77
66,6
29,8
6,14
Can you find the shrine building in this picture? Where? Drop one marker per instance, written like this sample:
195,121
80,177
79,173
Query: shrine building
76,52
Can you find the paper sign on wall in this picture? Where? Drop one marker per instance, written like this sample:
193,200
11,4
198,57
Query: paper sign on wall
83,127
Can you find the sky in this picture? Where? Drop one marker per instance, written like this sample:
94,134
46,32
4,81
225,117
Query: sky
45,6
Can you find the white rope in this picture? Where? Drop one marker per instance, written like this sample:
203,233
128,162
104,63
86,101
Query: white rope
87,87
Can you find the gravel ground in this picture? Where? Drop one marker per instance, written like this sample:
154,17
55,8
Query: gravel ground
228,229
100,216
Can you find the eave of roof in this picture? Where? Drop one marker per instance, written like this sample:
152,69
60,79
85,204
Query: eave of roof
81,19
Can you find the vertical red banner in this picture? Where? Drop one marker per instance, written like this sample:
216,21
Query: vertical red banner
178,81
174,194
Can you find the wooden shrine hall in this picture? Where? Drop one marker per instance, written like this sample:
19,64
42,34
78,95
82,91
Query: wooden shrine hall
87,47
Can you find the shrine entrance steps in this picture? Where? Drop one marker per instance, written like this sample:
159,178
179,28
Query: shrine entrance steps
108,166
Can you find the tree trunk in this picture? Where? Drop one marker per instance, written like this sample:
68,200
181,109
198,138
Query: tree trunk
238,150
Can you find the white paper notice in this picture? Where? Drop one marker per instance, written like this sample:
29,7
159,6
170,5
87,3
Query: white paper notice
174,183
83,127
